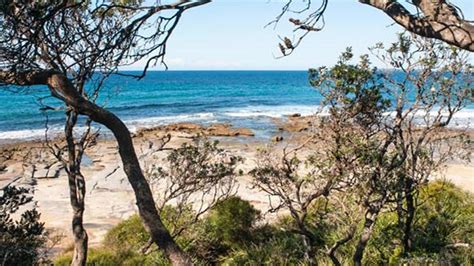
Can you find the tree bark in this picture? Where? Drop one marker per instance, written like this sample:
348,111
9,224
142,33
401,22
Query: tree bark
77,192
440,21
80,234
369,223
332,251
410,215
309,251
62,88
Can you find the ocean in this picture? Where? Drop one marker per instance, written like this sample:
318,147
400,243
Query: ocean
249,99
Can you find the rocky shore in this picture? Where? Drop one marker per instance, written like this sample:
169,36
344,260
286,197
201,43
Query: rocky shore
109,196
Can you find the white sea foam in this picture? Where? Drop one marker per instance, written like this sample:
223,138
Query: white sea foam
36,134
270,111
462,119
22,134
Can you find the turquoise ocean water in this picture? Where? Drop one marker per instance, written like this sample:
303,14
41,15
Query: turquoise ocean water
243,98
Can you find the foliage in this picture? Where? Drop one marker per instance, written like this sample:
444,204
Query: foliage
232,220
196,175
121,246
22,238
282,248
230,235
382,136
127,235
107,257
442,231
444,228
229,225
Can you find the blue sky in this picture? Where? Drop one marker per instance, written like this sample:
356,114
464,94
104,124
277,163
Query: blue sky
230,35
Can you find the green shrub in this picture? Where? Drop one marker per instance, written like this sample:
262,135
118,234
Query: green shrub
127,235
64,259
444,218
385,244
276,247
229,235
21,238
228,226
107,257
121,246
232,220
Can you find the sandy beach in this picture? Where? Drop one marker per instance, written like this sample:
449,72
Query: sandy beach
110,198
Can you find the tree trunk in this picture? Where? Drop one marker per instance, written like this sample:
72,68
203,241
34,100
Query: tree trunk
80,234
62,88
370,218
309,251
410,215
77,192
332,251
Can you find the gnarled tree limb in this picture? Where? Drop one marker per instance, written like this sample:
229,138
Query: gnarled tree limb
436,19
440,21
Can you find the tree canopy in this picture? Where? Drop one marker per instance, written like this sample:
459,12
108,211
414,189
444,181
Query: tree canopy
436,19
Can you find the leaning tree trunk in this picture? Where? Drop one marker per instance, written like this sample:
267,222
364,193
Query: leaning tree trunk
77,191
62,88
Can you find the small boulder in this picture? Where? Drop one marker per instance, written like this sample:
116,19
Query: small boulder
244,132
219,130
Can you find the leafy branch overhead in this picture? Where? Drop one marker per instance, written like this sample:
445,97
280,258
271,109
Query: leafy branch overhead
436,19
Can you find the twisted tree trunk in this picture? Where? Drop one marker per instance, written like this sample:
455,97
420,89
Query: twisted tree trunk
369,223
77,192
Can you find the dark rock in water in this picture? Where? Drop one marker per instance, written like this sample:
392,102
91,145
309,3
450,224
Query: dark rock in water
277,138
296,115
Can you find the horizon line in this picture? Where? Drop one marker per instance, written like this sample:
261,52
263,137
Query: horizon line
225,70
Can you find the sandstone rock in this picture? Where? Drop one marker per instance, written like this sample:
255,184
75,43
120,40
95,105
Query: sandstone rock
244,132
225,130
221,130
184,126
42,172
298,123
